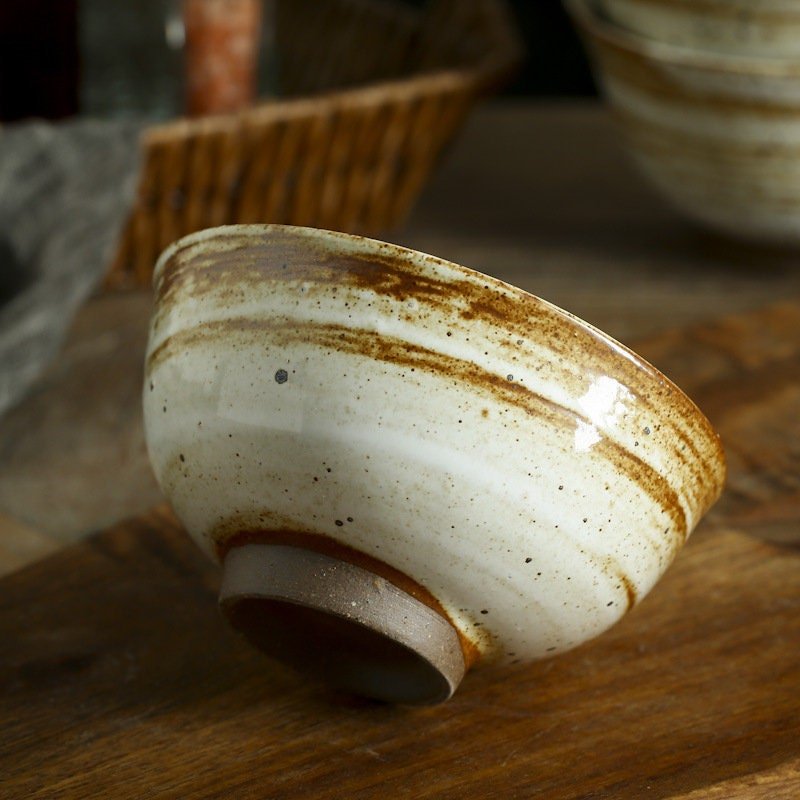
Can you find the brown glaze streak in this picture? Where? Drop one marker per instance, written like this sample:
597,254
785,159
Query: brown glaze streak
639,71
380,347
722,153
613,570
228,536
630,589
285,258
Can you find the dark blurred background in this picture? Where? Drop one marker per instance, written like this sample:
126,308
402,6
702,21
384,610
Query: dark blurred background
47,47
555,63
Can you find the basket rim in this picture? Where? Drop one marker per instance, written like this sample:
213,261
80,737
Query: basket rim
398,90
476,78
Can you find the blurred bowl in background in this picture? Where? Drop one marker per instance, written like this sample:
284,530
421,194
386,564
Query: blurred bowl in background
718,135
768,28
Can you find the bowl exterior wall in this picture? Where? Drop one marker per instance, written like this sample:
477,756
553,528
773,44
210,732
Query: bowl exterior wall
531,474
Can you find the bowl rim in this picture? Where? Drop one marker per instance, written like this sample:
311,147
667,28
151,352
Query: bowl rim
413,258
589,18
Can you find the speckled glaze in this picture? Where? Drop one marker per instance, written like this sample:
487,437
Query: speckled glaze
718,135
525,474
768,28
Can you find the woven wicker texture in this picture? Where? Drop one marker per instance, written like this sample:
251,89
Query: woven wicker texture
373,91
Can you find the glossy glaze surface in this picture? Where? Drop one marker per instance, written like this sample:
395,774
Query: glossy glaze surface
719,135
528,474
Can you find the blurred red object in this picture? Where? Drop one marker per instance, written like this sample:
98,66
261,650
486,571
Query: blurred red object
222,44
38,59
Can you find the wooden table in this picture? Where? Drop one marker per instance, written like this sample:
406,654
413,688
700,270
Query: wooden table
120,680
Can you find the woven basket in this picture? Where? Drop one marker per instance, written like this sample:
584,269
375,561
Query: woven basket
373,92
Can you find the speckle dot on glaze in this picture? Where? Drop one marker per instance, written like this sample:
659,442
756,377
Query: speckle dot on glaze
281,376
339,523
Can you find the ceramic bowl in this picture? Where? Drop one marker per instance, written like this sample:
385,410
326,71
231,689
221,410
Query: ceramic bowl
405,466
765,28
718,135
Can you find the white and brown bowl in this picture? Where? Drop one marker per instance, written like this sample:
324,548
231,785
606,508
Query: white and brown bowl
718,135
405,466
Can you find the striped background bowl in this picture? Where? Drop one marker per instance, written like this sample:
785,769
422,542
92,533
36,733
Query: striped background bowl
718,135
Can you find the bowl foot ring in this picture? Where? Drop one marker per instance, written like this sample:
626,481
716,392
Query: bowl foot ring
340,623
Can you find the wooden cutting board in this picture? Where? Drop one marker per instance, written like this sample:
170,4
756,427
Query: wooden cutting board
118,677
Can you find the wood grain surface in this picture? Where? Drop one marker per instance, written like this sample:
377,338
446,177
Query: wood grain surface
119,678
